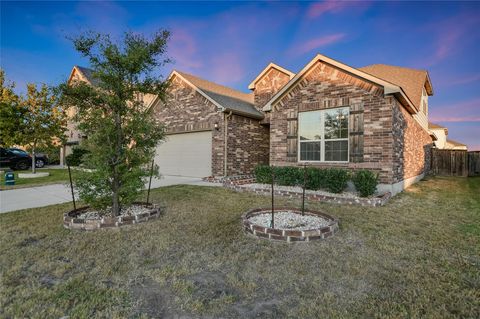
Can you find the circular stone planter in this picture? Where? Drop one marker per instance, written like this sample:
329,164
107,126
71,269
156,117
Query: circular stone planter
31,175
71,219
329,228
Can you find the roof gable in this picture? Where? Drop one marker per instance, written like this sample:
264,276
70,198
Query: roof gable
223,97
270,66
388,87
412,81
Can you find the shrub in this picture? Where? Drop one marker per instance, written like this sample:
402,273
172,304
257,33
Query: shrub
315,178
365,182
263,174
75,158
289,176
336,179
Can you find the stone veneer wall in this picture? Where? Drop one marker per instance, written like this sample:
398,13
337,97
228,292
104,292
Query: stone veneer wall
325,86
412,145
268,85
247,146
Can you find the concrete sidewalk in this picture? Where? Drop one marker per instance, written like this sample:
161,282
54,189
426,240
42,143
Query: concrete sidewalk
22,198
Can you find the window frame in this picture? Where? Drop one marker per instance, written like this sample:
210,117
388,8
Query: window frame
322,140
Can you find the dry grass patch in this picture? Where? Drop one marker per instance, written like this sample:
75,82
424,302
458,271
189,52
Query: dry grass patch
418,256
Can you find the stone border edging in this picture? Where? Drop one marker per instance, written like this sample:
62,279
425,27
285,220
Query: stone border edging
71,221
239,186
289,235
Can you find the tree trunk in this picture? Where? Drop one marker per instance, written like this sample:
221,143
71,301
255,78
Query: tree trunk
116,177
34,160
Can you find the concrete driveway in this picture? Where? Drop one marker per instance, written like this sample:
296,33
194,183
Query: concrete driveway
22,198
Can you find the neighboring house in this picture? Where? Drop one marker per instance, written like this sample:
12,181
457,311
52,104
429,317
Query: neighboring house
454,145
439,135
327,115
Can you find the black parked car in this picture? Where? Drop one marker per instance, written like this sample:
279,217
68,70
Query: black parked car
40,159
14,160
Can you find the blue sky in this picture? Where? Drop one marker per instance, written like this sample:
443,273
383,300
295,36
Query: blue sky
231,42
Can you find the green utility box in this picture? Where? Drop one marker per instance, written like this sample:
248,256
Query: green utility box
9,178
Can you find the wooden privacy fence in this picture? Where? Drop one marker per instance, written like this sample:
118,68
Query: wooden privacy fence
455,163
474,163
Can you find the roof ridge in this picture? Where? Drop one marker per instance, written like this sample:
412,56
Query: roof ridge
394,66
246,96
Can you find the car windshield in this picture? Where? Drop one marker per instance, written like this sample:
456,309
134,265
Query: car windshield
17,151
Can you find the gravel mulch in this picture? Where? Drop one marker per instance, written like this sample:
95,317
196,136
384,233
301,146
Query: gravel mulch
132,210
289,220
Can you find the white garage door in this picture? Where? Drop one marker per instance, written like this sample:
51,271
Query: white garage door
188,154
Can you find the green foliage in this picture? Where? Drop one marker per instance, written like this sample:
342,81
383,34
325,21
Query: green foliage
263,174
288,175
336,179
332,179
122,132
315,178
76,157
365,182
11,113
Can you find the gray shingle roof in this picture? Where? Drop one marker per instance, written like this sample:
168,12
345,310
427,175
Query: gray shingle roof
88,74
232,100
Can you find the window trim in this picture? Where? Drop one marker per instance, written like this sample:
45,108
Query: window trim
322,140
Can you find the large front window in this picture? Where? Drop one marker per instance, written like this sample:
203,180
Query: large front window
323,135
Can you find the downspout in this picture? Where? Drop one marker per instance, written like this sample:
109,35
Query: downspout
225,138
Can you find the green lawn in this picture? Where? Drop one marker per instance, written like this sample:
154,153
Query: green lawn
417,257
56,176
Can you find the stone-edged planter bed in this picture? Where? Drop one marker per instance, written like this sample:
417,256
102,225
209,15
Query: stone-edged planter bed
83,219
349,198
326,227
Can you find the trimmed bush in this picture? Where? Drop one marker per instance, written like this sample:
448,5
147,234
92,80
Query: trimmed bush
75,158
315,178
365,182
263,174
289,176
336,179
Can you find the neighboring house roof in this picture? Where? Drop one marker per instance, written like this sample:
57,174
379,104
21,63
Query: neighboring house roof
433,126
454,144
226,98
412,81
251,86
86,73
389,88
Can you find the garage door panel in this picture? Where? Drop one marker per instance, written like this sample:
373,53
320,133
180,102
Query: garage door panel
188,154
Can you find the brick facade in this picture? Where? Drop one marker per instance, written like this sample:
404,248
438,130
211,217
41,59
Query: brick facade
186,110
268,85
373,144
248,145
412,146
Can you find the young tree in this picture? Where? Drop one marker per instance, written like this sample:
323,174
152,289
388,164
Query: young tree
121,132
11,113
43,122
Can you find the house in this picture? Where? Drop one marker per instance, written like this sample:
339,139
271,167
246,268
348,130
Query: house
454,145
328,114
440,140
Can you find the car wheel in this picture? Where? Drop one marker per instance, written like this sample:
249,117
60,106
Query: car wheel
39,163
22,165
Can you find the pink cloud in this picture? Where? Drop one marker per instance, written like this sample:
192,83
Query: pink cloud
319,8
466,111
452,80
183,47
227,68
316,43
450,37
